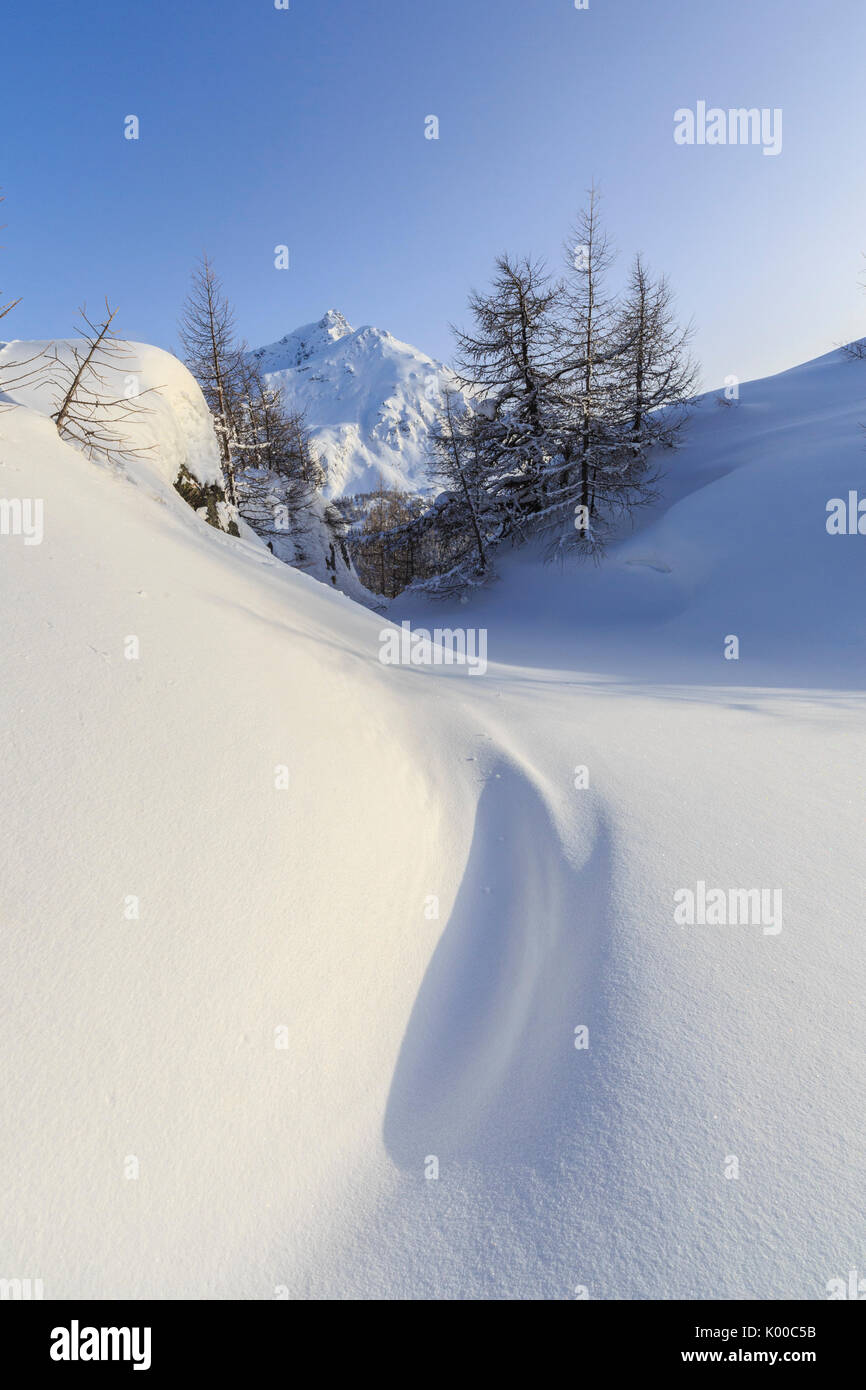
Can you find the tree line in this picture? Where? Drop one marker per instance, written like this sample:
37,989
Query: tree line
566,390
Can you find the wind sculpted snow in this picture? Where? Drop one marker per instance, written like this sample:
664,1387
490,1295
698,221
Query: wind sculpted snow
516,963
282,925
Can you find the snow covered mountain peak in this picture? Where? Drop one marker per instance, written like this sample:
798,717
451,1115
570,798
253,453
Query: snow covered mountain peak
336,324
303,343
370,401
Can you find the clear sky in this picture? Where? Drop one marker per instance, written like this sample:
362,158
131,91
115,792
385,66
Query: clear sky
305,127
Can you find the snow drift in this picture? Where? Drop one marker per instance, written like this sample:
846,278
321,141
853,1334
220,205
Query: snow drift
324,978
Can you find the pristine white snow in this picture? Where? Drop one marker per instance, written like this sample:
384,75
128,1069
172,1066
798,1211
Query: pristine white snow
172,420
174,425
370,401
410,1036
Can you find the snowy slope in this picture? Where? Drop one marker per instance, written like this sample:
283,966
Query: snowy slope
411,1035
259,908
370,401
737,544
175,429
311,538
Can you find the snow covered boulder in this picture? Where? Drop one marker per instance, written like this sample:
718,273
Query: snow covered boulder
145,397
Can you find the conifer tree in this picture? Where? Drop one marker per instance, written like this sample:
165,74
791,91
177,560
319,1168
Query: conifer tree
509,359
458,444
591,342
657,374
216,360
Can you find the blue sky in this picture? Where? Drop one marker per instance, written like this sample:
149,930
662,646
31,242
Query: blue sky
305,127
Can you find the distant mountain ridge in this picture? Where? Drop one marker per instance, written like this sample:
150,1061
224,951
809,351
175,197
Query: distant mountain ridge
371,401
